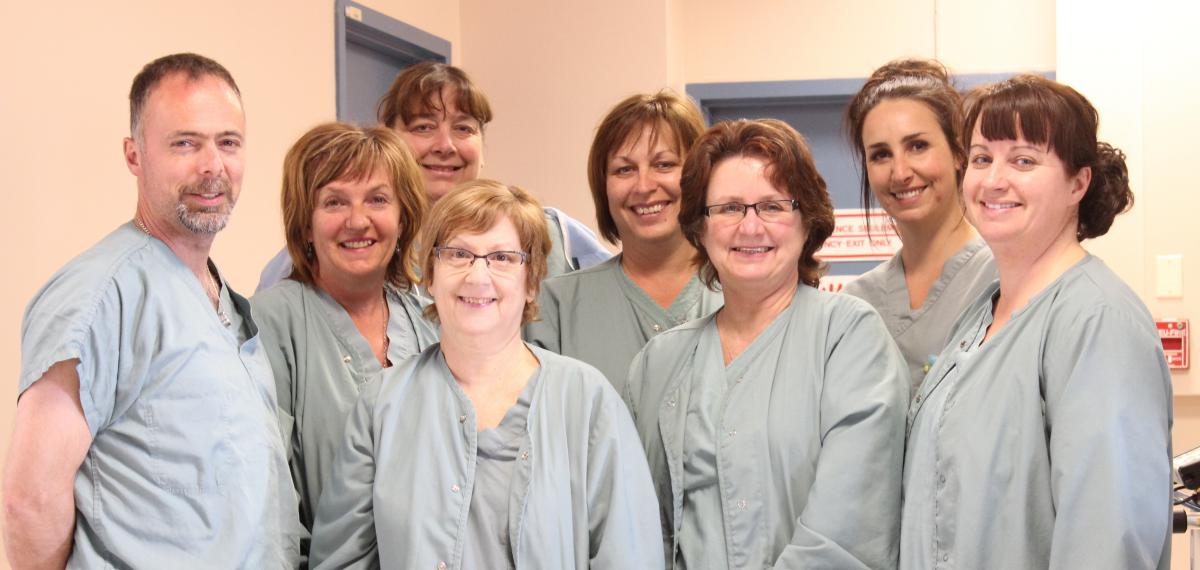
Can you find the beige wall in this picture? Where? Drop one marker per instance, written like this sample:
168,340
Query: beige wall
1170,125
552,69
784,39
1140,78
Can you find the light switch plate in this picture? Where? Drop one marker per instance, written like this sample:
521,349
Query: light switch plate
1169,276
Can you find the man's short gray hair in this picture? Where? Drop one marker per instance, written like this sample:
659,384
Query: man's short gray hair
193,65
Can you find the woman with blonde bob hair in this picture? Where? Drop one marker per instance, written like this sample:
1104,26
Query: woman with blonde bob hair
1042,436
353,202
774,428
603,315
483,451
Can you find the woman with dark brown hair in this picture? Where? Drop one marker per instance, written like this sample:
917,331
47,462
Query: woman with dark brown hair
604,315
1042,436
905,124
441,115
774,428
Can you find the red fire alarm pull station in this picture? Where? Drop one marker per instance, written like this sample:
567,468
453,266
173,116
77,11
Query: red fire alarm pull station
1174,336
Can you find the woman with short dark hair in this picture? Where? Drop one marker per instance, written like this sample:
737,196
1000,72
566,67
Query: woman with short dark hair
441,115
774,427
604,315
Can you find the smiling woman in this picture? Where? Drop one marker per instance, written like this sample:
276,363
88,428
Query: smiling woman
1054,392
905,124
604,315
485,452
352,203
354,225
441,115
785,409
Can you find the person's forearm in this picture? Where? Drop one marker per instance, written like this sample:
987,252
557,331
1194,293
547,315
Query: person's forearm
38,528
49,443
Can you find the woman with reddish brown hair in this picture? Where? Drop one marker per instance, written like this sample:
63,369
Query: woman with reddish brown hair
1042,436
774,428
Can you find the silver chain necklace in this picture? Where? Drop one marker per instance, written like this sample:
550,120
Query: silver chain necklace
211,289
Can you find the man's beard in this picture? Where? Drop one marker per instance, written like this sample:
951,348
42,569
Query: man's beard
206,220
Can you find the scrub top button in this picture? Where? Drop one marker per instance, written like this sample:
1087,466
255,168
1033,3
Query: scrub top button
455,488
346,359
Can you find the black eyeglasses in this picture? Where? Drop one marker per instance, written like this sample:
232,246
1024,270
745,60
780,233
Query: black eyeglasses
768,211
499,261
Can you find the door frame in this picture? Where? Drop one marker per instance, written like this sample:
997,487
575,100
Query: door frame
804,91
362,26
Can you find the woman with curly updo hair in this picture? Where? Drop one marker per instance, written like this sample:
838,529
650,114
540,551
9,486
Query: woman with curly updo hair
1042,436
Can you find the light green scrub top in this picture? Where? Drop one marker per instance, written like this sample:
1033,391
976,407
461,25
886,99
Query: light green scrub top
1049,445
186,468
402,485
702,525
557,262
603,318
922,333
320,362
807,431
487,544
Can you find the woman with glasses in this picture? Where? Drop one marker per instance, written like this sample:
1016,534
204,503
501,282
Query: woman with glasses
775,427
485,452
352,204
604,315
1042,437
905,124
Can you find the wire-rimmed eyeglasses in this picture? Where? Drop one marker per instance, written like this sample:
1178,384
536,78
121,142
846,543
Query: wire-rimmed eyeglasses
498,261
768,211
